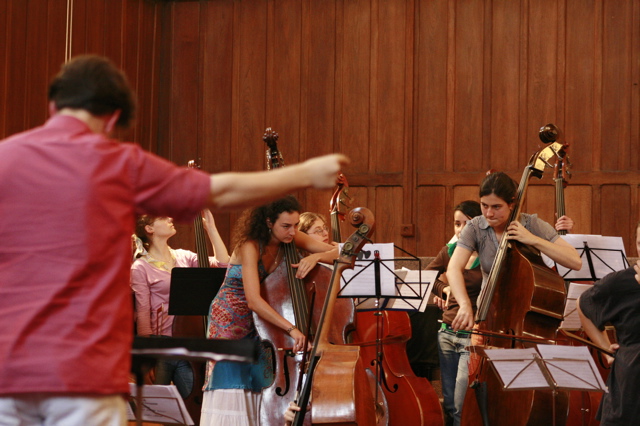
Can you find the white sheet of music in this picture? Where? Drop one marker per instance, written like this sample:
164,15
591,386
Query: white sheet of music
416,283
608,255
572,367
360,281
161,404
517,368
571,318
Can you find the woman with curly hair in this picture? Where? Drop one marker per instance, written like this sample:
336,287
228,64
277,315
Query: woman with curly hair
233,390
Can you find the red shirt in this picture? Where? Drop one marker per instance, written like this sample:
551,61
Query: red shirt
68,202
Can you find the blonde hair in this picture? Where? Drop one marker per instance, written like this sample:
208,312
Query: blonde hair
307,219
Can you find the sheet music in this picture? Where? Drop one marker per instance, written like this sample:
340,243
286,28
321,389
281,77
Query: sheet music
572,367
517,368
413,287
571,318
360,281
411,295
161,404
607,254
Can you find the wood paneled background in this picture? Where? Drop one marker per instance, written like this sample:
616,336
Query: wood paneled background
423,95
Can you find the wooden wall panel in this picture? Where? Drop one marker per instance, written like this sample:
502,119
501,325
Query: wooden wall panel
508,147
354,55
432,84
616,84
318,111
283,56
389,137
469,102
423,95
545,63
581,80
431,232
616,217
16,78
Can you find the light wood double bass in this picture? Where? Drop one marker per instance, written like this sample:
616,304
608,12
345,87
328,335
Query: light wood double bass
336,381
521,298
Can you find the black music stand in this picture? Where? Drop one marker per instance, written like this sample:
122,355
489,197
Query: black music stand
191,293
550,367
146,350
193,289
373,296
600,256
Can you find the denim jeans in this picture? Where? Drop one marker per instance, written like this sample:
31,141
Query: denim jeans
454,371
177,371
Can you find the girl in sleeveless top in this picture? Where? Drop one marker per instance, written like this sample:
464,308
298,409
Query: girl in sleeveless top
233,390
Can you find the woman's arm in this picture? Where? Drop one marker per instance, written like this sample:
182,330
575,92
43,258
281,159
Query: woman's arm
599,337
560,251
219,248
464,318
320,252
140,287
232,191
249,256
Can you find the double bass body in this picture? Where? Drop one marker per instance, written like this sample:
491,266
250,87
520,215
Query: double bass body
528,302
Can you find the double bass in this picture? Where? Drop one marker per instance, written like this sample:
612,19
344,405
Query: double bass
521,298
335,376
289,296
194,326
411,400
583,405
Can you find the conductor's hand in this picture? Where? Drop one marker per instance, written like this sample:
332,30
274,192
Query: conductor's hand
637,268
323,170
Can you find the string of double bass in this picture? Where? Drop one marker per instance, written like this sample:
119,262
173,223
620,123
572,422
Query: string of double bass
296,286
484,299
298,291
201,243
560,201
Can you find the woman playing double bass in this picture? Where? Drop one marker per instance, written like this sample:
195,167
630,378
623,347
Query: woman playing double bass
483,233
233,390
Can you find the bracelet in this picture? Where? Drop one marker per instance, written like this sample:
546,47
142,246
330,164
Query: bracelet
290,329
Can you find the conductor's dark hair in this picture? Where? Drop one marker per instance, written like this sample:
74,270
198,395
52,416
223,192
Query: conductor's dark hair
93,83
501,185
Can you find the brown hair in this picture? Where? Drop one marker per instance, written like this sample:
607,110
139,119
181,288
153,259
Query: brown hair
141,233
500,184
93,83
252,225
